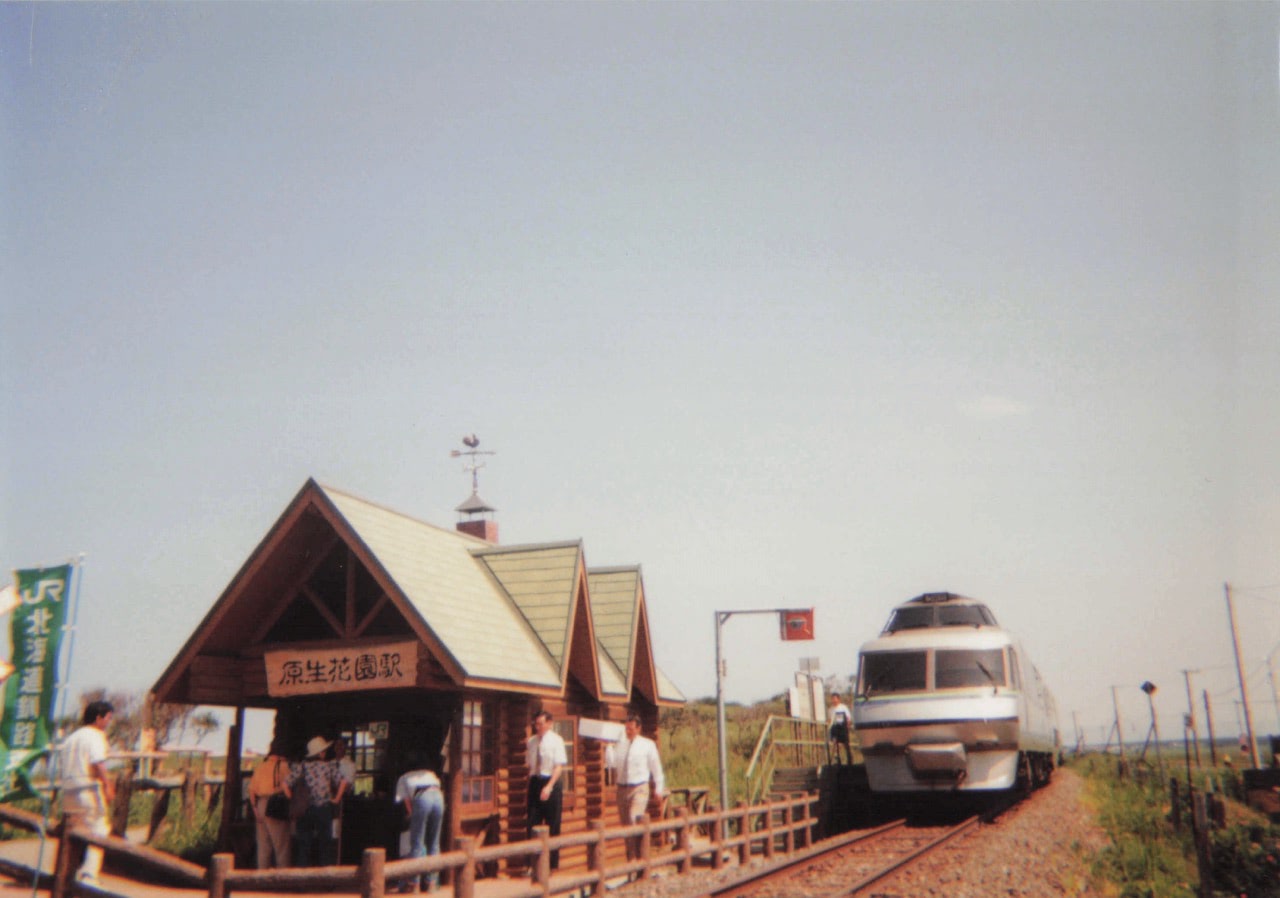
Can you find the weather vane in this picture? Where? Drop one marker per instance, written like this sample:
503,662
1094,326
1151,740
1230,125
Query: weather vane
471,441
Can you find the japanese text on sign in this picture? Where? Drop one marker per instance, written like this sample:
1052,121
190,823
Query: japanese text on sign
358,668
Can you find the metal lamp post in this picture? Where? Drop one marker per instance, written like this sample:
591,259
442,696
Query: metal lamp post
1150,689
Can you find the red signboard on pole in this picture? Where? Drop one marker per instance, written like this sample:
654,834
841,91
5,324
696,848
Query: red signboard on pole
797,623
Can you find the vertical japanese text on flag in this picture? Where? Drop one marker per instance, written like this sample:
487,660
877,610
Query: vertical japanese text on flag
36,633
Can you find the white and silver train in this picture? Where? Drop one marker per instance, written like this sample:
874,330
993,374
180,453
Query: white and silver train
948,701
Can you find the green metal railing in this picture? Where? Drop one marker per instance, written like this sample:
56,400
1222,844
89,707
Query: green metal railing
785,742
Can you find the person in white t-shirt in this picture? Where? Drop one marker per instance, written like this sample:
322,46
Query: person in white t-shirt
839,732
635,762
420,793
87,790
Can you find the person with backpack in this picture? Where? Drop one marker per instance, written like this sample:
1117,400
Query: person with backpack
270,803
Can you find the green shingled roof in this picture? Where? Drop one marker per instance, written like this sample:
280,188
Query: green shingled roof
542,581
615,600
438,573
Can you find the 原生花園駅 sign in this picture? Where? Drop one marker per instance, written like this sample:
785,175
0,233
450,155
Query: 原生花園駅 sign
354,669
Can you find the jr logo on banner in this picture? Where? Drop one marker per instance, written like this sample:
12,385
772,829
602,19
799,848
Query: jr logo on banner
36,632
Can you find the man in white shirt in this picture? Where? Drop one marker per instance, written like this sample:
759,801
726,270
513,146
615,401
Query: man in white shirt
87,790
839,732
635,763
546,757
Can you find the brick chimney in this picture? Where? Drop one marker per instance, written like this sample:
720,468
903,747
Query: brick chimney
479,519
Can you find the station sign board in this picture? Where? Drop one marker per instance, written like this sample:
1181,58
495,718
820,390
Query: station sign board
341,669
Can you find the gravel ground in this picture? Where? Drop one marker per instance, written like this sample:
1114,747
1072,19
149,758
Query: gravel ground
1041,849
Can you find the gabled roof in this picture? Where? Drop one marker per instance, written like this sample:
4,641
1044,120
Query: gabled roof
436,571
615,603
668,692
622,632
488,615
542,582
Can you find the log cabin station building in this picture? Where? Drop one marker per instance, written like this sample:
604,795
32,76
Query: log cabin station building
423,646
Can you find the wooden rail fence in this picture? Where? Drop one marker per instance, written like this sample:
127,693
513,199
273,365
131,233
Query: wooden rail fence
779,826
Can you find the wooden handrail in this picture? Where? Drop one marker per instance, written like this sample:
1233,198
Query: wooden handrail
780,825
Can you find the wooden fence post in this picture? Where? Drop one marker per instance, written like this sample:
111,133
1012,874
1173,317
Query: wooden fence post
189,784
789,838
62,862
683,842
542,865
744,834
1175,805
464,878
219,867
717,838
120,807
372,877
1204,860
769,831
596,855
644,845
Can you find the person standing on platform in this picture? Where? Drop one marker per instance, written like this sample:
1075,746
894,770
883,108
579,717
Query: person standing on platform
419,791
546,757
271,818
635,762
346,770
324,787
87,790
839,732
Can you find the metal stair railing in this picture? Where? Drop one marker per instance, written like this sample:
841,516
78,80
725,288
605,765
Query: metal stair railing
785,742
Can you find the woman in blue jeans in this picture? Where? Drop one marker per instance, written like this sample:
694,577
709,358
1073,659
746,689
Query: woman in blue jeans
420,792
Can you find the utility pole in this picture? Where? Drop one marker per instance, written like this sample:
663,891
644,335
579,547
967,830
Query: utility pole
1244,688
1191,718
1275,697
1119,727
796,623
1208,722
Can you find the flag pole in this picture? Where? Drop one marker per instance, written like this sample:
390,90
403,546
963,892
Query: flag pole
65,673
60,704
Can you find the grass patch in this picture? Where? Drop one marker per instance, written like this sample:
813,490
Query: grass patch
1147,858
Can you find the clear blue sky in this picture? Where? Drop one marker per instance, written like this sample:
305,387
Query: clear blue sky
793,304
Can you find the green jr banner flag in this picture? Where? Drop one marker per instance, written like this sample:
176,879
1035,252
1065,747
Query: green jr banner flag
36,631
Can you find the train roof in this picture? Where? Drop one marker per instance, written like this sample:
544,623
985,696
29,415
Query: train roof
941,638
930,598
939,610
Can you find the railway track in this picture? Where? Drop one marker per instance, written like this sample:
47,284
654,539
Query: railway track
847,865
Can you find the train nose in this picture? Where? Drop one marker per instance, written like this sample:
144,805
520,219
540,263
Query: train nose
942,760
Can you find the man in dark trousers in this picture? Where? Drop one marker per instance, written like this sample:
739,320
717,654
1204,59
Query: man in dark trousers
546,758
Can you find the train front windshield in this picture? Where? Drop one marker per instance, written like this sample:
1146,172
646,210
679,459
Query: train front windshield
918,617
884,672
956,668
892,672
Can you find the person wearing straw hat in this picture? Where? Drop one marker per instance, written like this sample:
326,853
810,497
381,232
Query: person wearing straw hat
324,787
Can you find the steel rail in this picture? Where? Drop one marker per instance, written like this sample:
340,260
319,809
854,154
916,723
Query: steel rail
903,861
755,880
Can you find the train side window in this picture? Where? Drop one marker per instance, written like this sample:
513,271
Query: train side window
893,672
956,668
1015,674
